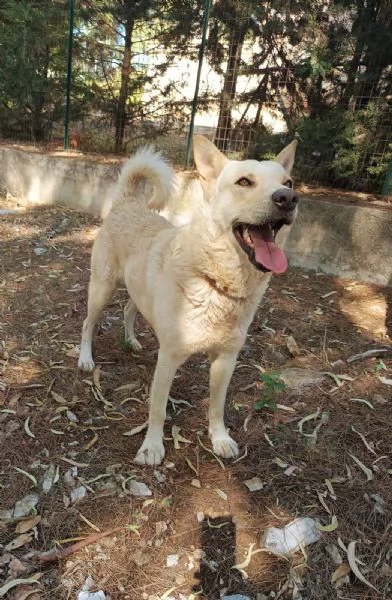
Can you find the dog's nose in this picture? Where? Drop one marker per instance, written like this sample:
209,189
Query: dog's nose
285,198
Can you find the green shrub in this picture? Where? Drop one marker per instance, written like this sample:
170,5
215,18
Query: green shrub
341,148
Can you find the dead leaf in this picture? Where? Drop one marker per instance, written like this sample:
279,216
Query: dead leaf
177,438
340,572
241,566
352,561
292,346
26,474
368,446
58,398
310,417
191,466
366,470
15,582
27,428
372,352
137,429
221,494
334,524
19,541
128,386
24,526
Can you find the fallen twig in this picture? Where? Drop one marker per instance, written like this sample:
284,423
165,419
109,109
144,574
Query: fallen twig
59,554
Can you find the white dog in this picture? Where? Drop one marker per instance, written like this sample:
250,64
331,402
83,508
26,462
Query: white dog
197,285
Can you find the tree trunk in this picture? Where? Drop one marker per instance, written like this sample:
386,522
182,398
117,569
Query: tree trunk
352,71
121,110
222,134
38,124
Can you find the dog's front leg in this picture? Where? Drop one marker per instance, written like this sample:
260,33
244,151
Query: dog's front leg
152,450
222,367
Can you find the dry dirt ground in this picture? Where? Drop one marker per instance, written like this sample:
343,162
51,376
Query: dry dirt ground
67,441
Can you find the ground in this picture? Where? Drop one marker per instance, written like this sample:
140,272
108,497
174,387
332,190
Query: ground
67,440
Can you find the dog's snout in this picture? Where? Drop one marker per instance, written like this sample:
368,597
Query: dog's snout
285,198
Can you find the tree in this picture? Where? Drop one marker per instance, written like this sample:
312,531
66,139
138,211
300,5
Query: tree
33,66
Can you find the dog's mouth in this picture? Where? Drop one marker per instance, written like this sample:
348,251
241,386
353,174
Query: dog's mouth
258,241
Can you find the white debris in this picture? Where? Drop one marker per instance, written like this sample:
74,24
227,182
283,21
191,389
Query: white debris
160,477
292,537
172,560
254,485
51,476
78,493
137,488
85,593
25,506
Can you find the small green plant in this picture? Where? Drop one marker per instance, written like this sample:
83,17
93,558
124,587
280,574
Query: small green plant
273,385
126,345
380,366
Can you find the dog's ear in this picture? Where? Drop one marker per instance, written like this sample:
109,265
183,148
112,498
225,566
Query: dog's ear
208,159
286,156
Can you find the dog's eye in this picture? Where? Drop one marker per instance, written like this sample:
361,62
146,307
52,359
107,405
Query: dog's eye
244,182
288,183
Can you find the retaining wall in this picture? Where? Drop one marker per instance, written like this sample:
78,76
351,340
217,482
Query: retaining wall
339,239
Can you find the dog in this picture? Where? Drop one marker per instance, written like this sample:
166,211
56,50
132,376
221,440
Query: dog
197,285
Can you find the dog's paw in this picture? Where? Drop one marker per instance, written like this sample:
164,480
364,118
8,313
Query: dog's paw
150,454
225,446
86,364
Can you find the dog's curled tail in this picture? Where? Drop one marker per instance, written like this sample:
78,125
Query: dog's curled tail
145,170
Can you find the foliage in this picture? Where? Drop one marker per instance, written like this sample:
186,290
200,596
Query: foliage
33,66
273,385
323,68
342,148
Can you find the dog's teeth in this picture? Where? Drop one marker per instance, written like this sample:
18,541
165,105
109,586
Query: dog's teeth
246,236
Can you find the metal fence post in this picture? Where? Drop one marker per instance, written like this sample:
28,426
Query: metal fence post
387,187
69,73
207,10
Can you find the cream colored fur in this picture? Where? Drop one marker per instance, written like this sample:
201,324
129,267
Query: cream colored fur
193,284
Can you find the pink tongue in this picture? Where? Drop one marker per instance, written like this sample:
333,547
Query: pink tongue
267,252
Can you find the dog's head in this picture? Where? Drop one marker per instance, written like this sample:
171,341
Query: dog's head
254,199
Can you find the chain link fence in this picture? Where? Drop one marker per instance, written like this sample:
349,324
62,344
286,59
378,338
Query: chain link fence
108,75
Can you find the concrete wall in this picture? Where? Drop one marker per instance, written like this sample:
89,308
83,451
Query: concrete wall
39,178
345,240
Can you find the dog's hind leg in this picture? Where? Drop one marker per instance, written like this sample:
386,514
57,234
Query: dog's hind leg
152,450
222,367
130,312
99,294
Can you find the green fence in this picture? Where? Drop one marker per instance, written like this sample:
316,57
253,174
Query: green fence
106,75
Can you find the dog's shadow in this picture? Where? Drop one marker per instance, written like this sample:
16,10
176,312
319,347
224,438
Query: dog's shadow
216,574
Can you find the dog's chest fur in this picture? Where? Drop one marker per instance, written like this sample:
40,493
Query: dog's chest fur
212,319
